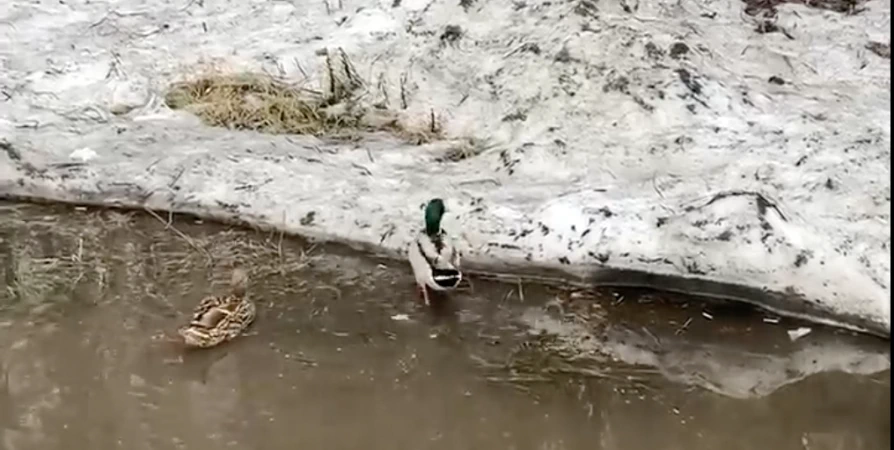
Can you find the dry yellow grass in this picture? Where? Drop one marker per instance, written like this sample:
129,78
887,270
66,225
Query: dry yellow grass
260,102
256,102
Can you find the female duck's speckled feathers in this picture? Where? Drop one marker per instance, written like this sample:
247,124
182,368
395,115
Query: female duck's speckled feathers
433,257
218,319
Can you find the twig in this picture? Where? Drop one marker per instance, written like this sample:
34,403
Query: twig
176,177
279,245
332,94
506,297
518,379
150,32
191,2
350,72
300,69
79,255
403,90
170,226
481,180
364,170
685,325
327,287
655,186
651,335
383,89
281,234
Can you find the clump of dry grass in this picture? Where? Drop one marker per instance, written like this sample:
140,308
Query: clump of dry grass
260,102
252,102
32,277
464,149
33,273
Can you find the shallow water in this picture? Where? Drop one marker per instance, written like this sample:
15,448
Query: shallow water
341,357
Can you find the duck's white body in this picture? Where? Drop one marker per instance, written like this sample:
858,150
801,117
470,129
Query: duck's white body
435,262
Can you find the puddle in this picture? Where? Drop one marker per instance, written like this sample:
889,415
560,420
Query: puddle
341,357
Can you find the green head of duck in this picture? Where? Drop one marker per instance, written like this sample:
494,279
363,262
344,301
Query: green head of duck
434,211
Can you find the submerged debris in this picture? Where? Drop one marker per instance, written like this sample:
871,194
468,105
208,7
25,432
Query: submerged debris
42,277
798,333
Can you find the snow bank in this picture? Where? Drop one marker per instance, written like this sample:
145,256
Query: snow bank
625,143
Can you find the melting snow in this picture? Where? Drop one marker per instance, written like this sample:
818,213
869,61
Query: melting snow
614,138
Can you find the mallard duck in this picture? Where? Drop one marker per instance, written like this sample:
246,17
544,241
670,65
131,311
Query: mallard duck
433,256
218,319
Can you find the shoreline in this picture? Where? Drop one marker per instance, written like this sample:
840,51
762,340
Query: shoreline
554,275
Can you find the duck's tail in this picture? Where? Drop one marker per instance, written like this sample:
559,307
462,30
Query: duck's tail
193,336
446,278
197,337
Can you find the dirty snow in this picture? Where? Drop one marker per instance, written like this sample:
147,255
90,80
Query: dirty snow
604,154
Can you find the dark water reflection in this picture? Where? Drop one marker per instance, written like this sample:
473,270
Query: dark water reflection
332,363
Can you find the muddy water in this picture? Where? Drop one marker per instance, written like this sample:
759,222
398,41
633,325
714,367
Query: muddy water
340,356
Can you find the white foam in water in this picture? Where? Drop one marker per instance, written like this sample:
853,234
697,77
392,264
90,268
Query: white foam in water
602,148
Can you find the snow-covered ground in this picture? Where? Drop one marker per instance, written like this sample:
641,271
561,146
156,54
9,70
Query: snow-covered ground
617,139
